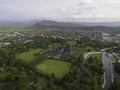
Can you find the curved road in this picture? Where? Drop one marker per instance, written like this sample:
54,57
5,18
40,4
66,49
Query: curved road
87,55
108,66
82,66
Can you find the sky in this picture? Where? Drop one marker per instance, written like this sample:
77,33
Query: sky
61,10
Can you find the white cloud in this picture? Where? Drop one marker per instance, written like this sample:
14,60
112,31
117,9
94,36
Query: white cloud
56,14
63,10
56,9
92,10
87,1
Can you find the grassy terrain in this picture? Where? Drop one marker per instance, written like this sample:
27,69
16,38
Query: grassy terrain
59,68
97,56
72,43
93,73
28,56
42,82
89,49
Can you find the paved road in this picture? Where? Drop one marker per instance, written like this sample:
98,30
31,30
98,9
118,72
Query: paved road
84,61
107,63
109,77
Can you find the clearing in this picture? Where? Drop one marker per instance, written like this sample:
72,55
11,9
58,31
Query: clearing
59,68
28,56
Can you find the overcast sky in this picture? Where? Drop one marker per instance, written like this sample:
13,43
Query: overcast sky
65,10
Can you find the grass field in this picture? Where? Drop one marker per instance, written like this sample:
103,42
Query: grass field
59,68
28,56
89,49
98,56
72,43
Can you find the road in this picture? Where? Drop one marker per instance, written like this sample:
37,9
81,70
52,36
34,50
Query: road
107,49
88,54
84,61
108,66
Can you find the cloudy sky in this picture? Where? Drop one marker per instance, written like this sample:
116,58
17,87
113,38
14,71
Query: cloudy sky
64,10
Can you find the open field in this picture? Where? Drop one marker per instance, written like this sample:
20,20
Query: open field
59,68
28,56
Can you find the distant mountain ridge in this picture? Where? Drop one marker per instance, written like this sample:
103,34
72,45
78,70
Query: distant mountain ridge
50,22
100,26
10,23
109,24
56,23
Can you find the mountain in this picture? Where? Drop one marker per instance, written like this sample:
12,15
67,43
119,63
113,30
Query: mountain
76,24
55,24
99,26
108,24
10,23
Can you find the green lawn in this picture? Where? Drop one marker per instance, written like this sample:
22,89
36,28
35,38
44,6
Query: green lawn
72,43
98,56
89,49
28,56
59,68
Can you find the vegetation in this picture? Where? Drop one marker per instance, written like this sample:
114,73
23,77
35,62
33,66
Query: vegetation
28,56
12,29
40,72
115,85
93,73
58,68
117,67
89,49
72,43
38,60
96,56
